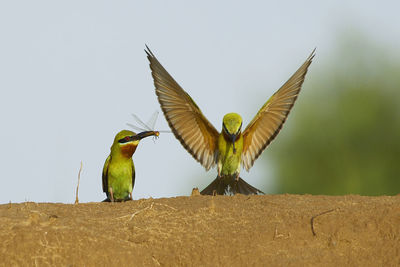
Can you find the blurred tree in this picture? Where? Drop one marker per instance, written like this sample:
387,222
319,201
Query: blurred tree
343,134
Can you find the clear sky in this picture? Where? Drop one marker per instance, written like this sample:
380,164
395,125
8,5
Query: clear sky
72,72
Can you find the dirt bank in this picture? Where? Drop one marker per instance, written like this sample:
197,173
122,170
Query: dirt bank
205,231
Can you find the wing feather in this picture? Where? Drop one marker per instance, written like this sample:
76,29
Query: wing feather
197,135
105,174
133,176
270,118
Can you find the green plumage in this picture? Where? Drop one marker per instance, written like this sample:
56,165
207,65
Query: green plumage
229,161
120,176
119,170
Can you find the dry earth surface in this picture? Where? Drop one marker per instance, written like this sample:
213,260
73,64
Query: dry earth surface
271,230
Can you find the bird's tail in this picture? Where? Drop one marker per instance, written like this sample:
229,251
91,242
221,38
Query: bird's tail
232,186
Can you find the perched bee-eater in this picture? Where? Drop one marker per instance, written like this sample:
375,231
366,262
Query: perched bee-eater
231,147
118,170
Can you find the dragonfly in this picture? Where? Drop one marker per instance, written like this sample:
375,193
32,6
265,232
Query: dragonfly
149,126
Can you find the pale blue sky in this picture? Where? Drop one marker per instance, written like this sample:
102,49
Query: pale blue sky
72,72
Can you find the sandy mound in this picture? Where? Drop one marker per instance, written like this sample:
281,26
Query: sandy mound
203,230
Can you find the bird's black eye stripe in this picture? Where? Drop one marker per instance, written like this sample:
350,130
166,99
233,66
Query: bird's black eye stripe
238,131
124,140
240,128
226,130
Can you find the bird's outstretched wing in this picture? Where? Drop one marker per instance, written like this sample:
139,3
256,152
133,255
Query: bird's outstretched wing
187,122
105,175
270,118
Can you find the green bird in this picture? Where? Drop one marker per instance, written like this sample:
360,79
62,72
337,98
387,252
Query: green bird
119,171
231,148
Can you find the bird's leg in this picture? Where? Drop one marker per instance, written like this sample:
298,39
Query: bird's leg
130,195
237,177
111,194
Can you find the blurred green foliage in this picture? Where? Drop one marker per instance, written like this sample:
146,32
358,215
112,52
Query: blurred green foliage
343,135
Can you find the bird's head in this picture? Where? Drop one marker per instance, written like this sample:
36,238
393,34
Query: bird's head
127,141
232,127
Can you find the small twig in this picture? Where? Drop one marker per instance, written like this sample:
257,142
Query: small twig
139,211
315,216
77,187
136,212
276,235
166,206
146,208
156,261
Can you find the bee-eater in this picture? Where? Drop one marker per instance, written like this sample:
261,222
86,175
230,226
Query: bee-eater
119,170
231,147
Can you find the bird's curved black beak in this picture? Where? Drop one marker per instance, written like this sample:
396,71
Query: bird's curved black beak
142,135
138,136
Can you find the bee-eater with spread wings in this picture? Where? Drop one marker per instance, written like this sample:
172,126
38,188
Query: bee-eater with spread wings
232,147
119,171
